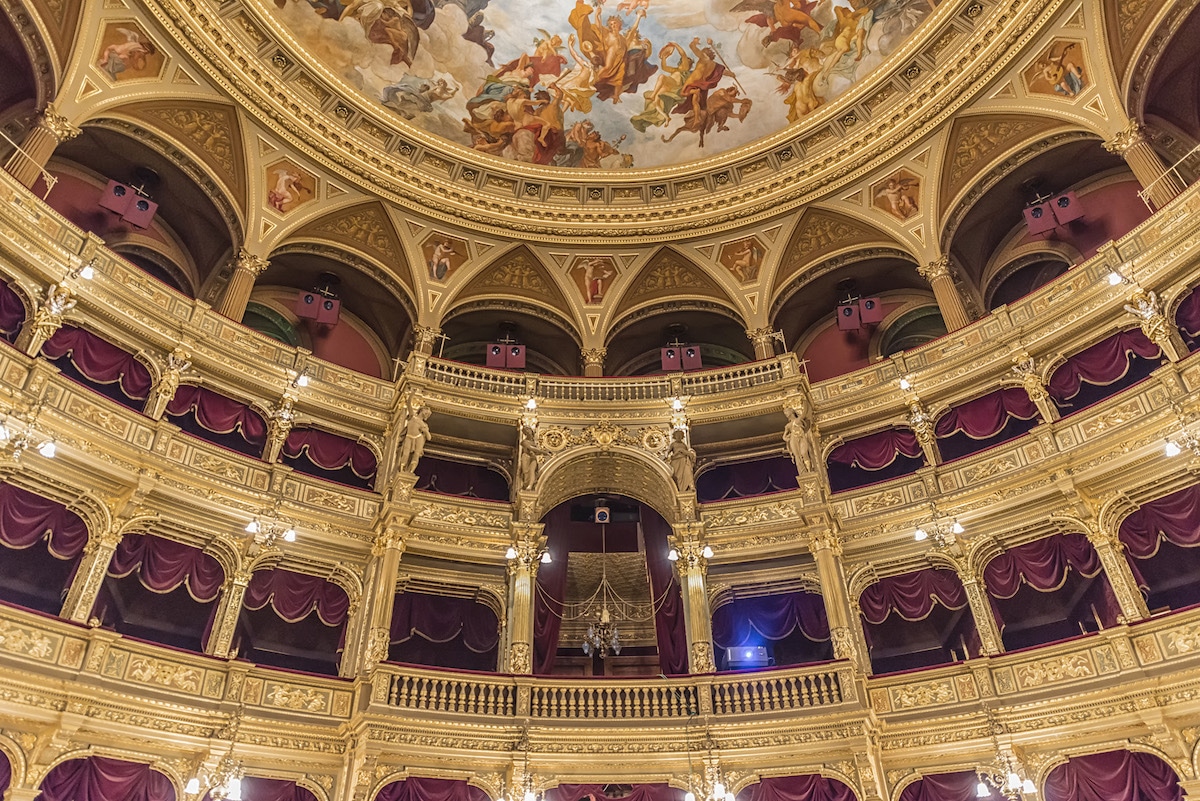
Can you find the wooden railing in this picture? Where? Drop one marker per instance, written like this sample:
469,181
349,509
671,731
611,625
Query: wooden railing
454,693
771,691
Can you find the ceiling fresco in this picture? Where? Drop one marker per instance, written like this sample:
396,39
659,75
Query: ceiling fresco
602,84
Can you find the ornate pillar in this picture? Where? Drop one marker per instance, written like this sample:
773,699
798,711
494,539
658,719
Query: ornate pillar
692,567
593,361
940,276
1025,368
1144,307
1111,550
844,622
1158,185
32,793
51,130
528,544
922,425
220,637
246,269
1191,789
423,338
93,565
171,372
279,425
56,303
985,622
370,629
764,340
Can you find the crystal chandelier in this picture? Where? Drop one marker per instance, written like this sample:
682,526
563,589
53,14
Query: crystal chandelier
18,434
526,788
940,529
1004,774
603,636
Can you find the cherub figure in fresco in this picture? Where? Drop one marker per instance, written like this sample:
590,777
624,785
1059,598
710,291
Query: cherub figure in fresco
746,261
633,6
784,19
897,193
851,32
578,84
1062,73
287,189
799,77
412,95
620,56
129,54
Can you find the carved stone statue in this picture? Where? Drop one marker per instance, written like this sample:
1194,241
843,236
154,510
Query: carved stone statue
58,301
176,364
416,436
796,437
528,451
682,458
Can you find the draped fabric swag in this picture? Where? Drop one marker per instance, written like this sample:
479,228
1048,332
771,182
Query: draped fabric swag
548,594
1187,317
419,788
1113,776
216,413
27,518
944,787
595,792
1101,364
464,480
1043,565
255,788
744,479
5,773
330,451
294,596
103,779
439,618
100,361
774,617
163,565
810,787
1174,518
987,416
12,313
912,595
665,589
876,451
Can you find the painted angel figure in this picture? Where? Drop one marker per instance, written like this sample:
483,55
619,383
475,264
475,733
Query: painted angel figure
129,54
898,194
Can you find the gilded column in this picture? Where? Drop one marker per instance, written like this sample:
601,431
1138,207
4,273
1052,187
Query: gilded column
1025,369
51,130
371,627
692,567
843,620
990,640
1110,549
85,586
764,340
922,426
528,544
423,338
1159,186
58,300
246,269
940,276
593,361
229,607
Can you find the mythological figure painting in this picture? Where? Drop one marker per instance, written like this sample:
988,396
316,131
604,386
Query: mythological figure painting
443,255
288,186
602,85
743,258
1059,70
126,52
898,195
593,275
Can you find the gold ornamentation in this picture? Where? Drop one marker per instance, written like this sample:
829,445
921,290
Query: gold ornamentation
702,658
1134,134
520,659
1049,671
24,641
980,140
938,268
366,225
300,698
249,263
594,357
148,670
927,693
209,128
58,125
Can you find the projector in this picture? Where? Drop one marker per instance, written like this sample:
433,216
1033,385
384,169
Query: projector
747,656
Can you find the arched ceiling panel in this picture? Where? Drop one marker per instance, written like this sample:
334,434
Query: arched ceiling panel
518,272
975,142
670,275
366,228
819,233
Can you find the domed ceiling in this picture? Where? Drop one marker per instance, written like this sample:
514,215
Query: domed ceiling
607,84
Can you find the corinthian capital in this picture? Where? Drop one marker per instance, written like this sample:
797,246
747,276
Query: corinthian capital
248,262
593,356
1122,141
58,125
938,268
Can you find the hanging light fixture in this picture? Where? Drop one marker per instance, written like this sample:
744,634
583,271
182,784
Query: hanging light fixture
18,433
941,530
526,788
271,528
603,636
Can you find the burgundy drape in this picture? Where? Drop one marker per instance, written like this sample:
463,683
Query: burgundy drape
5,773
465,480
640,792
549,592
1174,517
12,312
987,416
1101,364
162,565
877,451
664,588
27,518
103,779
745,479
439,618
809,787
1043,564
912,595
294,595
100,361
420,788
772,616
1187,317
944,787
255,788
218,414
1113,776
330,452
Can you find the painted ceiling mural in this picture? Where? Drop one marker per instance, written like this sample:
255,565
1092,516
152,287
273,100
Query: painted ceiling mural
602,84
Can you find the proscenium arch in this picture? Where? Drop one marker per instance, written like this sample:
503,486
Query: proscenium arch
617,470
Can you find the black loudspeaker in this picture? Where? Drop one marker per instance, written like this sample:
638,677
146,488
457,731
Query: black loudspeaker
328,310
514,357
848,317
1040,218
308,305
1066,207
870,310
691,358
495,355
671,359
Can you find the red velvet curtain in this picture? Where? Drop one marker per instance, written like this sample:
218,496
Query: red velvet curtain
1043,564
664,587
216,413
986,416
100,361
103,779
595,792
162,565
1187,317
1113,776
877,451
1101,364
294,596
5,771
772,616
442,619
420,788
744,479
255,788
1174,517
548,594
809,787
330,452
27,518
912,595
12,312
945,787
